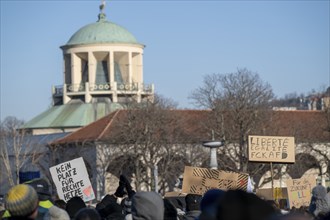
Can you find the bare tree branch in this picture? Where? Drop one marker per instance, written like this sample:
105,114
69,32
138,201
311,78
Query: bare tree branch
240,101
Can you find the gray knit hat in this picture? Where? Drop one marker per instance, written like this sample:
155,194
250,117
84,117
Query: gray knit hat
21,200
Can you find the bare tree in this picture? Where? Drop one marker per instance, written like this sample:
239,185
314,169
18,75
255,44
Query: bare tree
150,132
17,149
239,102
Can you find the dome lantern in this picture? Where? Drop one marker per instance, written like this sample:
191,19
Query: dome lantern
103,61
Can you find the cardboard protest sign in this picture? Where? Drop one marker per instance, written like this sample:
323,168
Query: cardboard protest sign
271,149
300,191
273,194
198,180
71,179
174,194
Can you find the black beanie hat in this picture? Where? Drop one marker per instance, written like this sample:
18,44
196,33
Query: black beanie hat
193,202
74,205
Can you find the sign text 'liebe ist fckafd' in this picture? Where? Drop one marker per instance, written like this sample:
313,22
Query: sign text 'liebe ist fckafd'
71,179
271,149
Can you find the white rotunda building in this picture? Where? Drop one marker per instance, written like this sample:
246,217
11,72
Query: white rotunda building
103,72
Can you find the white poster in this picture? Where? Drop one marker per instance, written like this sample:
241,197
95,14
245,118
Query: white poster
71,179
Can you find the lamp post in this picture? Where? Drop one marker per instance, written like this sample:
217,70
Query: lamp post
213,145
156,177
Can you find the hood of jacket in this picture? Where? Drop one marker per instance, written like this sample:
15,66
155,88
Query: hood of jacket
147,206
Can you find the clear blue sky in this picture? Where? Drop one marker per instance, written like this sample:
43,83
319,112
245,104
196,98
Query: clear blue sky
286,42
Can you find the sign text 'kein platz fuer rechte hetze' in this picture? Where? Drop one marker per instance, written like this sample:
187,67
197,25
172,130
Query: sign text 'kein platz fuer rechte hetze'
71,179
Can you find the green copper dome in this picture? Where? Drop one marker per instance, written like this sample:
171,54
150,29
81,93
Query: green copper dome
102,31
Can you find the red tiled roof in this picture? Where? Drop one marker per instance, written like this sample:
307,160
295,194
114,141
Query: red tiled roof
303,125
91,132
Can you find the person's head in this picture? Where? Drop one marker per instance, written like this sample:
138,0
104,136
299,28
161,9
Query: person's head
240,205
87,214
41,186
74,205
108,207
147,206
22,201
193,202
209,203
321,200
56,213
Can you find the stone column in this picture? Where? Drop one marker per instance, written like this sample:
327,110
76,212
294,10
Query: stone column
114,94
88,97
111,68
213,159
213,145
66,98
130,67
91,69
75,72
141,68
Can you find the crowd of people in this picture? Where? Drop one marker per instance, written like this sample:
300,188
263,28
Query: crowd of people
32,200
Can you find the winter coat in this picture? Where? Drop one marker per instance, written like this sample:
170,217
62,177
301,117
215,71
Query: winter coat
320,201
43,208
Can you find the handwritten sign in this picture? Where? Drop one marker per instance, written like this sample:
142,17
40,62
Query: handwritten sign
271,149
300,191
71,179
198,180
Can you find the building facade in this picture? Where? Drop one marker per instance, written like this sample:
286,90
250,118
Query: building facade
110,150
